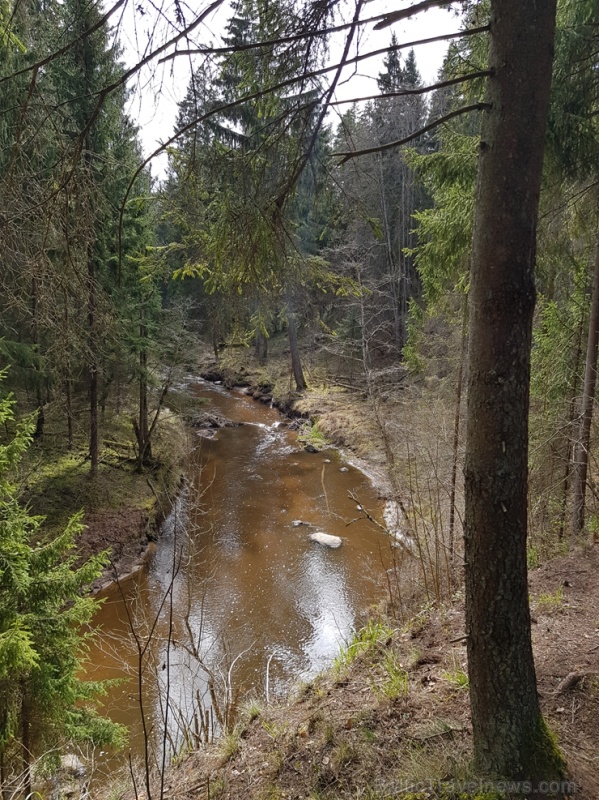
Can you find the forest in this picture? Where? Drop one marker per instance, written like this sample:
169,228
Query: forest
411,275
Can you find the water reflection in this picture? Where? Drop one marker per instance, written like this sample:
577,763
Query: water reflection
234,585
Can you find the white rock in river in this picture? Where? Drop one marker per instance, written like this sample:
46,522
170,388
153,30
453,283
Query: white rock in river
326,539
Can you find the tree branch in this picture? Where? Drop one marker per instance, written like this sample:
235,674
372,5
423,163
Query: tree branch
39,64
276,87
299,167
285,40
295,37
418,90
395,16
431,126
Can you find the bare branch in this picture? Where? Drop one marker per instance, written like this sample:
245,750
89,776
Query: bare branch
299,167
418,90
307,34
395,16
273,42
431,126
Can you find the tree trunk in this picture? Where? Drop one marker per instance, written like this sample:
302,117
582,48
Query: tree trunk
68,381
581,451
93,365
144,443
261,347
510,737
26,745
40,420
296,364
568,449
456,443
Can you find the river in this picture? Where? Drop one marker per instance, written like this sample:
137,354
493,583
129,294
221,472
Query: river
235,599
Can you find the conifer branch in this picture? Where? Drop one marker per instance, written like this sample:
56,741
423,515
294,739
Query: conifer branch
346,156
61,52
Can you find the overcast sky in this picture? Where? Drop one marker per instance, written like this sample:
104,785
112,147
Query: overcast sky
157,91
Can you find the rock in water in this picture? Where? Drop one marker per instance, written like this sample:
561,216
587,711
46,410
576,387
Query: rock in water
326,539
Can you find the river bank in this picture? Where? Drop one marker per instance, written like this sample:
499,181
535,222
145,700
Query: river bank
122,508
331,414
391,717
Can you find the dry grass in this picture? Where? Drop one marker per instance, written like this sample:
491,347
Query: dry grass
343,736
394,716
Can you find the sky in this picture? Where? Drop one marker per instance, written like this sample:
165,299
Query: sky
157,91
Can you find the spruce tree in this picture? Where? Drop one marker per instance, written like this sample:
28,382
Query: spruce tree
45,615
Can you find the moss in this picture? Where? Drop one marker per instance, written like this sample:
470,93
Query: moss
544,756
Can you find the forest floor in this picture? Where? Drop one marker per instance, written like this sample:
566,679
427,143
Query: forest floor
391,719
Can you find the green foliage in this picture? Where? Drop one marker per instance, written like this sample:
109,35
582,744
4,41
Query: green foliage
310,435
366,641
44,622
445,230
395,681
573,141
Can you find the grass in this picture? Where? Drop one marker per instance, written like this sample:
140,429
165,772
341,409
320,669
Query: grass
310,435
395,682
250,710
550,603
228,745
457,678
366,641
533,557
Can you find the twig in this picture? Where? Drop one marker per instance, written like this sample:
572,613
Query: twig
270,658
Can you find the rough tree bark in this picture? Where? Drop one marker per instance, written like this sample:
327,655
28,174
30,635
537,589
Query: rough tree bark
510,737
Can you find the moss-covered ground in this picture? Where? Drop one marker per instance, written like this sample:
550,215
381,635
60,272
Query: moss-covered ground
122,506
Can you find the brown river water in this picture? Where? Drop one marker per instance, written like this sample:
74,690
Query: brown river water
235,600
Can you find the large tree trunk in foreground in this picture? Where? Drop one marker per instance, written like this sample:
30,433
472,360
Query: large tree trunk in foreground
510,738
